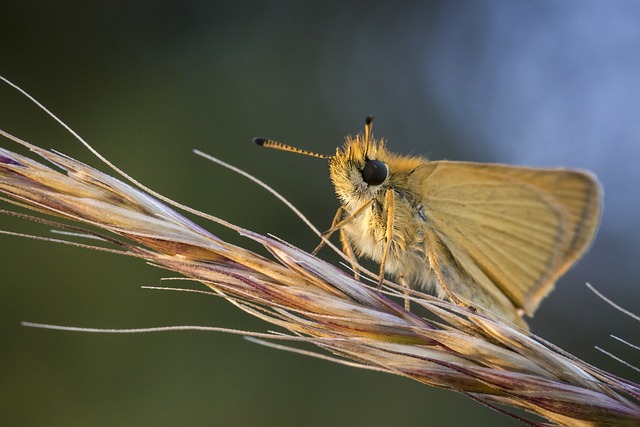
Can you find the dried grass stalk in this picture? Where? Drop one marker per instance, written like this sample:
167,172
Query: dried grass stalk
490,361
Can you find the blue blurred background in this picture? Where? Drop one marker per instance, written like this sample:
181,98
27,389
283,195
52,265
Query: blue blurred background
536,83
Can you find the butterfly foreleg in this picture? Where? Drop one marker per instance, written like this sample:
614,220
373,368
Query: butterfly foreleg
327,234
338,223
388,235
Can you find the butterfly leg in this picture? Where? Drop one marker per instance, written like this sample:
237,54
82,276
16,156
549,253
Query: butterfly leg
402,281
337,223
388,234
327,234
350,253
390,204
433,263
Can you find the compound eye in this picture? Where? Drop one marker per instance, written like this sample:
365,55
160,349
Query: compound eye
374,172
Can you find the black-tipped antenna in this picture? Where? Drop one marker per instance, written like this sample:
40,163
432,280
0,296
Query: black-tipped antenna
270,143
367,134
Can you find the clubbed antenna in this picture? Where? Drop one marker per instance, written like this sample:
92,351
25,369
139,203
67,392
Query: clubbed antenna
367,133
270,143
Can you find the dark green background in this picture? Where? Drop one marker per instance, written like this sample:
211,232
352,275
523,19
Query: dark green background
539,83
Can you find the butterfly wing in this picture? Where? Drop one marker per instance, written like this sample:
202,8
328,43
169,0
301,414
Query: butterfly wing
514,228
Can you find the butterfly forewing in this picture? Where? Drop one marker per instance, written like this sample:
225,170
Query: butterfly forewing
514,228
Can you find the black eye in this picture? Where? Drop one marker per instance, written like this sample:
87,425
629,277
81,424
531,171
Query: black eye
374,172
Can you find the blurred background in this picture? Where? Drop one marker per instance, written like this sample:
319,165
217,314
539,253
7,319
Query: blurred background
535,83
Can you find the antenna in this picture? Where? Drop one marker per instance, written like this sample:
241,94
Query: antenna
270,143
367,134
